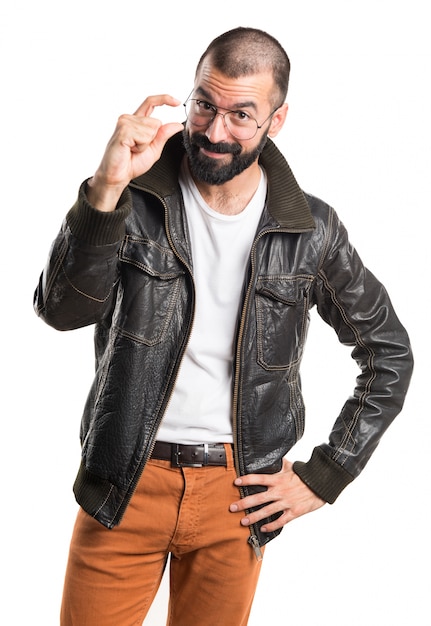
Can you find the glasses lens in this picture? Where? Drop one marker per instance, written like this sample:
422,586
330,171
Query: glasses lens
239,124
199,113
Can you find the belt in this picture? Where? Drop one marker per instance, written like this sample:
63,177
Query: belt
198,455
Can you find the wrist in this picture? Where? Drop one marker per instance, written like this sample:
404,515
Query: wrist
102,196
323,475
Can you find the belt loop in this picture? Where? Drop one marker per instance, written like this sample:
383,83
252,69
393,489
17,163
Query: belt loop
205,454
175,453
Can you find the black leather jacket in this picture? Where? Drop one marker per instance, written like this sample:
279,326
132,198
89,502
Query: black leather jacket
131,273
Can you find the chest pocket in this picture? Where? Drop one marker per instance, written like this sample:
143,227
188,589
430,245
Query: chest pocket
282,304
150,293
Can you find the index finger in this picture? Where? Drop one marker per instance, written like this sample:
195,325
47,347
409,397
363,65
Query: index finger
149,104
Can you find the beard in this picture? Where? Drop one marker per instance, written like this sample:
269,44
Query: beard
210,171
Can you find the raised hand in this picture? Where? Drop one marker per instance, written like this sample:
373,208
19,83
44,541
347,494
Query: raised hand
135,146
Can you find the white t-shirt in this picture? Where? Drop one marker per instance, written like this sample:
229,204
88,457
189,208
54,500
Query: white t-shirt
200,407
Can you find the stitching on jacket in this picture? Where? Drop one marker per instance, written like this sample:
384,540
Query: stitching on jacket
260,325
53,273
325,246
104,501
150,270
162,330
86,295
367,387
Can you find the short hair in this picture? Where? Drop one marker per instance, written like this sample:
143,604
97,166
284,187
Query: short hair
245,51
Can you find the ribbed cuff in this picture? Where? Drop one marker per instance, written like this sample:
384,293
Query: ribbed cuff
95,227
323,475
90,490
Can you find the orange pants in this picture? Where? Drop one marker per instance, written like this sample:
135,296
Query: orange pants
113,575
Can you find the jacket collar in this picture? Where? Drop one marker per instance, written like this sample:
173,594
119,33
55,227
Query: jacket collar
286,201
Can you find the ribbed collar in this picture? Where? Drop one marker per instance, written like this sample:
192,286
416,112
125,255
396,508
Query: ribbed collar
286,201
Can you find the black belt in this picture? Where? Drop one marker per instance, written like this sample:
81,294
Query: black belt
198,455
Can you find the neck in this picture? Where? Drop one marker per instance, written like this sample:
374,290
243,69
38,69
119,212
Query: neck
232,197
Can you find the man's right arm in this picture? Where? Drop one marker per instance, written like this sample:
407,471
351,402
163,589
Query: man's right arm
78,284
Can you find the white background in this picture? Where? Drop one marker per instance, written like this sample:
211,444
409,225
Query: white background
358,135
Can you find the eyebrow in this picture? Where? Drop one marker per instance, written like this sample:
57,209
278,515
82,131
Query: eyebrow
239,105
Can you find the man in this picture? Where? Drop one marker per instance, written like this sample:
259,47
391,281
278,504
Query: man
198,257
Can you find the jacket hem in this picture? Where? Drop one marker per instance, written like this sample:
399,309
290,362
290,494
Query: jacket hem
91,493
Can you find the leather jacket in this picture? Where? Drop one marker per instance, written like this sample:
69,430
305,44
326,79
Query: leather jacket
130,273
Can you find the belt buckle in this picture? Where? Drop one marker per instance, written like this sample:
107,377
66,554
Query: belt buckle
176,457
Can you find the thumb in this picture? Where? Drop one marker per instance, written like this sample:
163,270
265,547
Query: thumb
164,133
168,130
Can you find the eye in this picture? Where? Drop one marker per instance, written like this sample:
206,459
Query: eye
205,107
240,117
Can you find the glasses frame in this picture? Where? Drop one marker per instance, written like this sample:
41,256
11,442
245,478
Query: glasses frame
216,111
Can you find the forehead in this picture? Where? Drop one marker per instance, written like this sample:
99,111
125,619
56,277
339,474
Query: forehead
254,90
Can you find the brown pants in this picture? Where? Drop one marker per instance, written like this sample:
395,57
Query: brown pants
113,575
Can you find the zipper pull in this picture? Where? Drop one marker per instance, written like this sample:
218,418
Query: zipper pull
254,542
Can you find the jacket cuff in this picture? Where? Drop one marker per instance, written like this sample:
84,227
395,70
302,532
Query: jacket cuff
323,475
95,227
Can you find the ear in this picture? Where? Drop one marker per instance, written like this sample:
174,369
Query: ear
278,120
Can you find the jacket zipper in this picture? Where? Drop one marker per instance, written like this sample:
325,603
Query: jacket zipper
253,539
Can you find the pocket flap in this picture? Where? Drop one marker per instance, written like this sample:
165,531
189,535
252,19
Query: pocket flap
150,257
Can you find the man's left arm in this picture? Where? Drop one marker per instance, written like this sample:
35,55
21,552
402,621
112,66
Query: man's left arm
357,306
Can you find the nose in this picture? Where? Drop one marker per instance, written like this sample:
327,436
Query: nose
217,129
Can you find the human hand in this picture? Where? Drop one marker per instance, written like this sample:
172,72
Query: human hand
135,146
285,493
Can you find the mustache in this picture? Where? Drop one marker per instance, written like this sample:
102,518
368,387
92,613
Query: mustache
219,148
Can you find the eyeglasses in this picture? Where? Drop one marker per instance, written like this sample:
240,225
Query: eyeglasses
239,123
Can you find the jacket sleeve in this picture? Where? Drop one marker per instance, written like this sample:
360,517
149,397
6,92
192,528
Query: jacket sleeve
357,306
77,286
